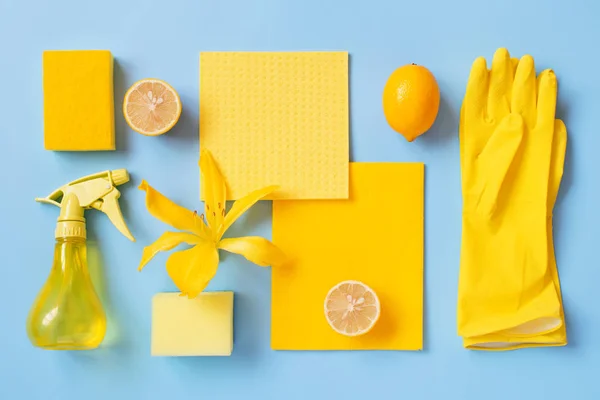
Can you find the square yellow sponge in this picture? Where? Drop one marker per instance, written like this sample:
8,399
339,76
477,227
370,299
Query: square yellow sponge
192,327
78,100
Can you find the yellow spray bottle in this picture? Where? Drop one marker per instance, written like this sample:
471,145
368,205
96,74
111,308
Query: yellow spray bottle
67,313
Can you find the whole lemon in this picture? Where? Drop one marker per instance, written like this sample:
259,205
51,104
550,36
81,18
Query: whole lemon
411,99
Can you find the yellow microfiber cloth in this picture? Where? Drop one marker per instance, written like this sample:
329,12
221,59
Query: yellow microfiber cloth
78,100
277,118
512,156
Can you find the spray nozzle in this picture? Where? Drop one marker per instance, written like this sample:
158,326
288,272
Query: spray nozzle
96,191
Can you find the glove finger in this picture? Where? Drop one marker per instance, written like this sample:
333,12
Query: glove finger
461,143
557,162
546,99
515,62
475,100
501,79
524,90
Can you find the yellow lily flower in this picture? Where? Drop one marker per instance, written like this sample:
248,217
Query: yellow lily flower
191,270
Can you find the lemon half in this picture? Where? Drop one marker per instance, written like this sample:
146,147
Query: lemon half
151,107
352,308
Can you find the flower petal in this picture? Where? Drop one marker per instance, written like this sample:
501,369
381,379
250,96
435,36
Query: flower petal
256,249
213,190
192,269
171,213
166,242
243,204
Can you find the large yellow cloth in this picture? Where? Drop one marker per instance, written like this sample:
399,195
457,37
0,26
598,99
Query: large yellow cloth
376,237
512,156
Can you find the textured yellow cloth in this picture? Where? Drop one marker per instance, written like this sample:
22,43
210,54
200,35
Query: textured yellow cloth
192,327
277,119
78,100
376,236
512,156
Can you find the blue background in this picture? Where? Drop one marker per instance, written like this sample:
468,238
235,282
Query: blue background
163,39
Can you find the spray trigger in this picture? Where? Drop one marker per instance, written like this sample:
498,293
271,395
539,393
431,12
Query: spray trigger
110,206
96,191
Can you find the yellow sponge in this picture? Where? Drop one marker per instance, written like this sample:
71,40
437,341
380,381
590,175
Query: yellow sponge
78,100
199,327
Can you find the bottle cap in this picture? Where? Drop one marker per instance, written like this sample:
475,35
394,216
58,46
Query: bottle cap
66,229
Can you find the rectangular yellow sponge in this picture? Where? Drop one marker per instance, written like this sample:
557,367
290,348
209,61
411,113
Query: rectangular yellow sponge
78,100
192,327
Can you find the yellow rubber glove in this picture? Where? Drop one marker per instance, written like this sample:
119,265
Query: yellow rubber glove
512,154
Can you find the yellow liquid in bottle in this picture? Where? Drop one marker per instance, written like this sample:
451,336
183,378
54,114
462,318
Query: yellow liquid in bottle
67,314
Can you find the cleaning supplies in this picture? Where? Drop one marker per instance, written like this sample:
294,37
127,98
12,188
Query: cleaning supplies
78,100
376,237
512,155
67,314
202,326
264,114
